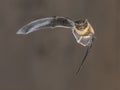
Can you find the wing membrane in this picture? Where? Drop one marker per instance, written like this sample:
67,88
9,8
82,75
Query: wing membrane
50,22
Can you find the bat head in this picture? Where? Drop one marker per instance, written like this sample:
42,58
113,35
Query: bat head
81,24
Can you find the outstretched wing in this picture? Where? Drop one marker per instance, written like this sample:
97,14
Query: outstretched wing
50,22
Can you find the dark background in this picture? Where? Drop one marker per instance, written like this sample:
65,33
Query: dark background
48,59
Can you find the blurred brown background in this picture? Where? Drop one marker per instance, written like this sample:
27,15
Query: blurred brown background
48,59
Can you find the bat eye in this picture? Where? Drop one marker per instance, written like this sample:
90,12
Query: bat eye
82,22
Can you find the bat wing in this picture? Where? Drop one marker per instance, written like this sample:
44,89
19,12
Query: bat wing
50,22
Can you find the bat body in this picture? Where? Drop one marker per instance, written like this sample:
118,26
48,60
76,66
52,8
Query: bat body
81,29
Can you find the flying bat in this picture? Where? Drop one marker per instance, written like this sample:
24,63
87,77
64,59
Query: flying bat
81,29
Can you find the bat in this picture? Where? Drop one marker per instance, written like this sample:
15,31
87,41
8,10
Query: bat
81,29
